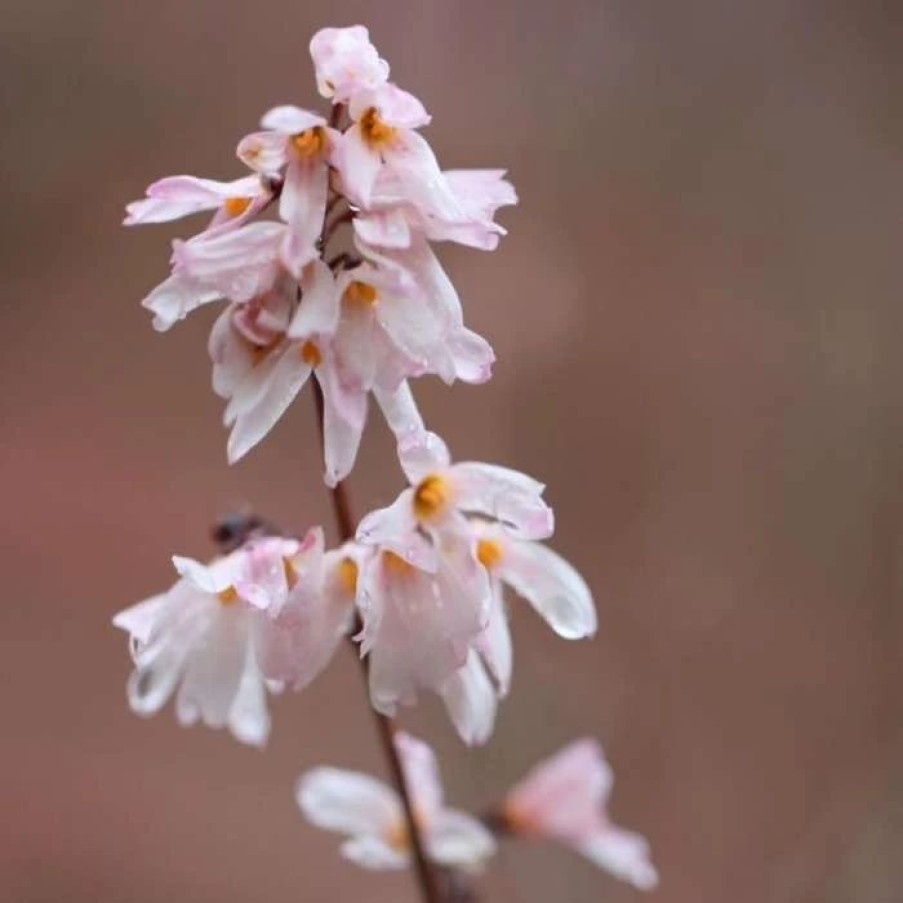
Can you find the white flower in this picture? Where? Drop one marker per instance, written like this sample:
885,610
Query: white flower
226,630
371,814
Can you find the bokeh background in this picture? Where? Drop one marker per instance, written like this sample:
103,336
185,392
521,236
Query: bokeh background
697,319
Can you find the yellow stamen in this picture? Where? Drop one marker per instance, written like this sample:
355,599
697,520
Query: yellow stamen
430,496
291,573
375,131
396,564
228,595
361,293
348,575
518,822
398,837
489,552
310,354
237,206
310,142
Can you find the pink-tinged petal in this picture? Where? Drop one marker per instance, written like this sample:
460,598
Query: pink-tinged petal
423,182
291,120
481,190
318,312
471,701
374,854
264,152
473,356
624,854
357,164
346,62
150,685
494,643
172,300
344,416
507,495
249,719
347,802
303,206
421,774
552,586
400,410
459,840
389,526
421,454
396,107
383,228
240,264
564,796
284,380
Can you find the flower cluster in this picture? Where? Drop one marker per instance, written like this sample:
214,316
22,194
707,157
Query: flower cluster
363,310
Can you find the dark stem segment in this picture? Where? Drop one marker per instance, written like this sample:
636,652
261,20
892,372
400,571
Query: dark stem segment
385,727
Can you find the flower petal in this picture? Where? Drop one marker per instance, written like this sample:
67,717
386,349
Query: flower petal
357,164
303,206
471,701
624,854
421,453
177,297
264,152
507,495
459,840
421,774
400,410
347,802
291,120
552,586
373,853
318,312
494,643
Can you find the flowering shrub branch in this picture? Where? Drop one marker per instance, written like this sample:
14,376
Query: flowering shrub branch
418,586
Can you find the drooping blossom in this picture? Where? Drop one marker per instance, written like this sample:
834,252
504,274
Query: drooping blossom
421,609
219,636
173,197
300,143
441,494
370,814
346,63
565,798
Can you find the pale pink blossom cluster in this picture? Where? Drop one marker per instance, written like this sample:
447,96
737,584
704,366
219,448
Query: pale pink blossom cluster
420,587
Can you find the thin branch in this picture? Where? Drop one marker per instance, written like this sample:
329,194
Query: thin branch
385,727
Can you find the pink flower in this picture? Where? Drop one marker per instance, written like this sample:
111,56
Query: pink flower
309,597
346,63
382,134
441,494
564,798
301,143
372,817
176,196
393,217
421,608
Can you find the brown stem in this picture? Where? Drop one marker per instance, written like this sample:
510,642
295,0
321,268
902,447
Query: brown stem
385,727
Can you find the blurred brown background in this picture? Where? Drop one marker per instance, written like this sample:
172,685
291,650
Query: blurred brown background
697,318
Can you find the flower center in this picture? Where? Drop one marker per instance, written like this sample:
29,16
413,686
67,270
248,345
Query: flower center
310,354
237,206
430,497
489,553
228,596
376,132
310,142
361,293
348,575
